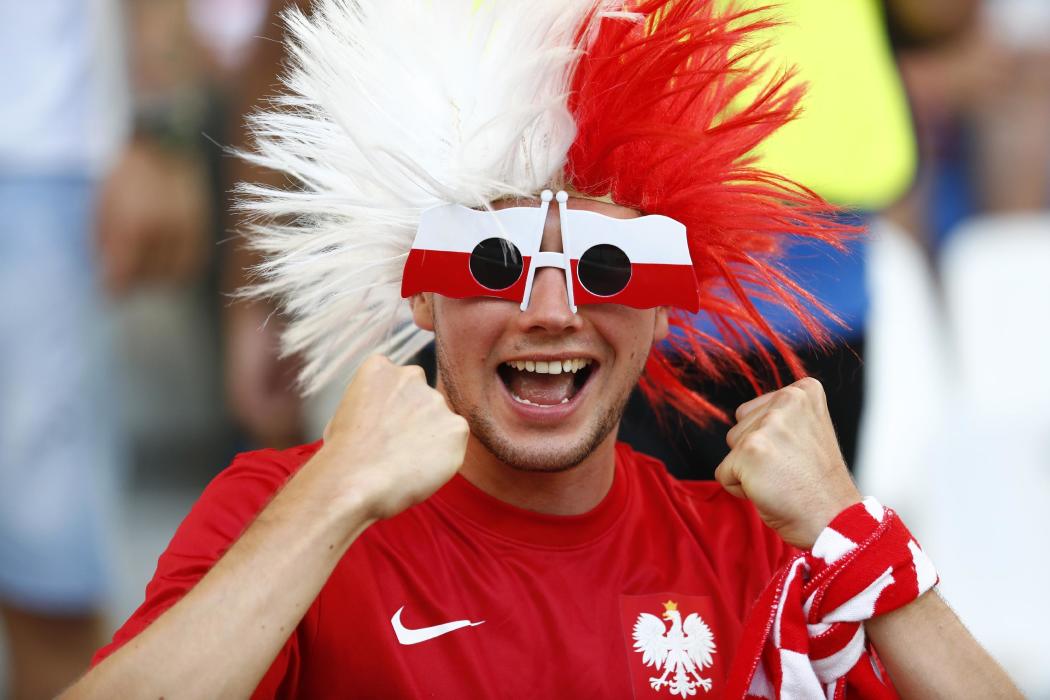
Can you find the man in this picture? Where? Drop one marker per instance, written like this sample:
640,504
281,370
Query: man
489,538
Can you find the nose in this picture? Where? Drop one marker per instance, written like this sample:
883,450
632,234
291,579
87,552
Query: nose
548,308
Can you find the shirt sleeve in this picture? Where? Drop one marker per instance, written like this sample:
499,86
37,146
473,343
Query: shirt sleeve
225,509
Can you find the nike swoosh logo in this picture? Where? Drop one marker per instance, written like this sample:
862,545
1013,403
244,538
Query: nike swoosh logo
407,636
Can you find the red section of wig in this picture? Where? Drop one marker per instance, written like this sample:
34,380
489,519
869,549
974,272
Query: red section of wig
656,100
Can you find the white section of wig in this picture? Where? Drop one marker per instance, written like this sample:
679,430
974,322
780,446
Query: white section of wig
390,107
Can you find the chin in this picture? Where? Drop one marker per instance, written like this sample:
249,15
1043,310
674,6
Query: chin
535,455
542,448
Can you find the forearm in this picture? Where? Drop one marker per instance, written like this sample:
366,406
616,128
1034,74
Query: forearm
220,639
930,654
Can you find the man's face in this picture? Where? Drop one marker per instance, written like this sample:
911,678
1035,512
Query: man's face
490,355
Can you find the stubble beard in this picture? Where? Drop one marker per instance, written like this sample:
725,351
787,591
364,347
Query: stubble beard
524,458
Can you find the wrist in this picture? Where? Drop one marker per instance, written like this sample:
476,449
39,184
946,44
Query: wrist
820,517
173,122
361,483
342,492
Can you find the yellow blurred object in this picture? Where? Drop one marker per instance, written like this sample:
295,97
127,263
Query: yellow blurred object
854,143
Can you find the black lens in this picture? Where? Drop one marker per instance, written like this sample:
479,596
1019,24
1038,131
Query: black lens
496,263
604,270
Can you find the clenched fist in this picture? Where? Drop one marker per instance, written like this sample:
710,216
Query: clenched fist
394,436
785,459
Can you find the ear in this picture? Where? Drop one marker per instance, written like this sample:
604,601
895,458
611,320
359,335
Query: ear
660,326
422,306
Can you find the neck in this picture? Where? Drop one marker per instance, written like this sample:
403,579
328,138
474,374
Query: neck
569,492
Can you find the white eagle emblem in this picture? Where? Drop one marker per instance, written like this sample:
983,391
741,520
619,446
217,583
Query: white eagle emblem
682,651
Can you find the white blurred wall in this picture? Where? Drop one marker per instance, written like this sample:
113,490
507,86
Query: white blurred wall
956,434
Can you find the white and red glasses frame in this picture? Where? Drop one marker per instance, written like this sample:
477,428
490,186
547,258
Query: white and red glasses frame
461,252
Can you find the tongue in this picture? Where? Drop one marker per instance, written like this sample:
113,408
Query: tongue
545,389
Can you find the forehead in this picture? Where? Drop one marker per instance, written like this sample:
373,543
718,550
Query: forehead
552,240
598,206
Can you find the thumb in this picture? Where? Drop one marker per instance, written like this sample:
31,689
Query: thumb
726,475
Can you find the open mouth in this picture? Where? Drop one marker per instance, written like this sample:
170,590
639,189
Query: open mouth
546,382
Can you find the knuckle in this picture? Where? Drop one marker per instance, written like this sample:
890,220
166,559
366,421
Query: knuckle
772,419
372,364
755,444
811,386
409,375
721,472
810,383
742,408
438,409
791,395
456,428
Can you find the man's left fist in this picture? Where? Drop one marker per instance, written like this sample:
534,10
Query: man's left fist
785,459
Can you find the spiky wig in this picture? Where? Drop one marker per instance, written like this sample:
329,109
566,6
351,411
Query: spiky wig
394,106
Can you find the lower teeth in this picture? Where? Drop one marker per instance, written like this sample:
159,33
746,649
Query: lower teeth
541,405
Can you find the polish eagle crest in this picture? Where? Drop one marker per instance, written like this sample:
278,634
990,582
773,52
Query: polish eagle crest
682,652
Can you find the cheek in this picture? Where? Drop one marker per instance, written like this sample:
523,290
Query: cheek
469,328
630,332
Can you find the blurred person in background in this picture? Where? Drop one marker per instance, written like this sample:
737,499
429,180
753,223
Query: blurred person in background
99,195
260,382
981,98
852,143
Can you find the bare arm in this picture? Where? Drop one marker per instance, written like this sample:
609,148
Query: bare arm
930,654
220,639
392,442
784,443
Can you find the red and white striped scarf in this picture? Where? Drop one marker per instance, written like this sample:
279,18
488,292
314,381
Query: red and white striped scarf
805,636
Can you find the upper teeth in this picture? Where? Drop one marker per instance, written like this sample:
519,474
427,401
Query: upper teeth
550,366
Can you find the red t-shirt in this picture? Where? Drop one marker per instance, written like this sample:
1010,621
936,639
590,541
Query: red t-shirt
554,600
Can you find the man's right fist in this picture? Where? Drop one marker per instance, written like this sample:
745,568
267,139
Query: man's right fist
395,436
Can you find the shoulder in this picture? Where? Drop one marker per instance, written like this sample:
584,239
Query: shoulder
652,477
266,469
224,510
231,501
268,465
719,521
237,494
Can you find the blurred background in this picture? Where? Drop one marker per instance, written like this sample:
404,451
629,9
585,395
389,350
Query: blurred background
128,377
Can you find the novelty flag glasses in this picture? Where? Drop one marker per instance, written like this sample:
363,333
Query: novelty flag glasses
460,252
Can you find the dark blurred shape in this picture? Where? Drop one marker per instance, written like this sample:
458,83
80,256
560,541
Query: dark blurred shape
153,220
924,23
